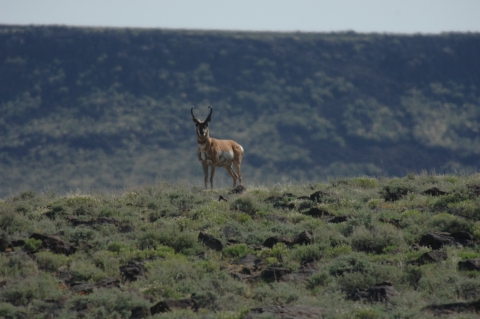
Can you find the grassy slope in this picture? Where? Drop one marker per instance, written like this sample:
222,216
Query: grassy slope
161,224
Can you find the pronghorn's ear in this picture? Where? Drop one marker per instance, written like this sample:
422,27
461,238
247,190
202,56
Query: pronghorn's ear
209,117
193,116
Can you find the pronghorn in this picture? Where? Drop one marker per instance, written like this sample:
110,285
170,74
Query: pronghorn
213,152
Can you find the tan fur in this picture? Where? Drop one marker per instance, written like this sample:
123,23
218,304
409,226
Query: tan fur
213,152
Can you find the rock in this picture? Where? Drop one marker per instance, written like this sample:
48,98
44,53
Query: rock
448,308
380,292
275,273
472,293
438,240
318,196
304,238
430,257
250,264
393,193
109,282
317,212
283,201
54,244
240,189
101,220
338,219
286,312
83,289
433,192
394,222
303,273
247,268
222,199
210,241
172,304
140,312
471,264
132,270
87,288
271,241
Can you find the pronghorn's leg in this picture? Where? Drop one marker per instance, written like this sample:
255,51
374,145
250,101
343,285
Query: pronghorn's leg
205,174
237,166
232,173
212,172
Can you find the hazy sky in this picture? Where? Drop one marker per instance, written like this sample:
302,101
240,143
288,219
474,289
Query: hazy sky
393,16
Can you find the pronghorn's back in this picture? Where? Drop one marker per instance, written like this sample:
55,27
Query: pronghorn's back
213,152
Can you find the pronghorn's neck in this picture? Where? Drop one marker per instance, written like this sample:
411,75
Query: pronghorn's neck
203,142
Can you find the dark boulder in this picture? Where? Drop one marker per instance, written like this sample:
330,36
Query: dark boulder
303,273
240,189
438,240
430,258
92,222
317,212
272,241
250,264
318,196
338,219
283,202
54,244
87,288
287,312
210,241
173,304
132,270
471,264
247,268
304,238
433,192
275,273
449,308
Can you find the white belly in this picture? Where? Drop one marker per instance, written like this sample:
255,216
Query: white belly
224,158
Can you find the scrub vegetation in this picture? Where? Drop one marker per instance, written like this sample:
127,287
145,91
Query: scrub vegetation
358,247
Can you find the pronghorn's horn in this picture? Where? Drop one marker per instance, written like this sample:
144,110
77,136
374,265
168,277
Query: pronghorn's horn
209,117
193,116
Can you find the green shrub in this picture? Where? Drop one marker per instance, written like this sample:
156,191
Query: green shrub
85,270
244,205
25,290
395,191
18,264
49,261
354,262
9,311
12,222
377,240
181,242
449,223
364,182
32,244
110,303
236,251
319,279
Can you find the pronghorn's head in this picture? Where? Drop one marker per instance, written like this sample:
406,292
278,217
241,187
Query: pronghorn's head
202,126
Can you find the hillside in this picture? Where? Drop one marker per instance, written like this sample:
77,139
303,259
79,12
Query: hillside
349,248
99,109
